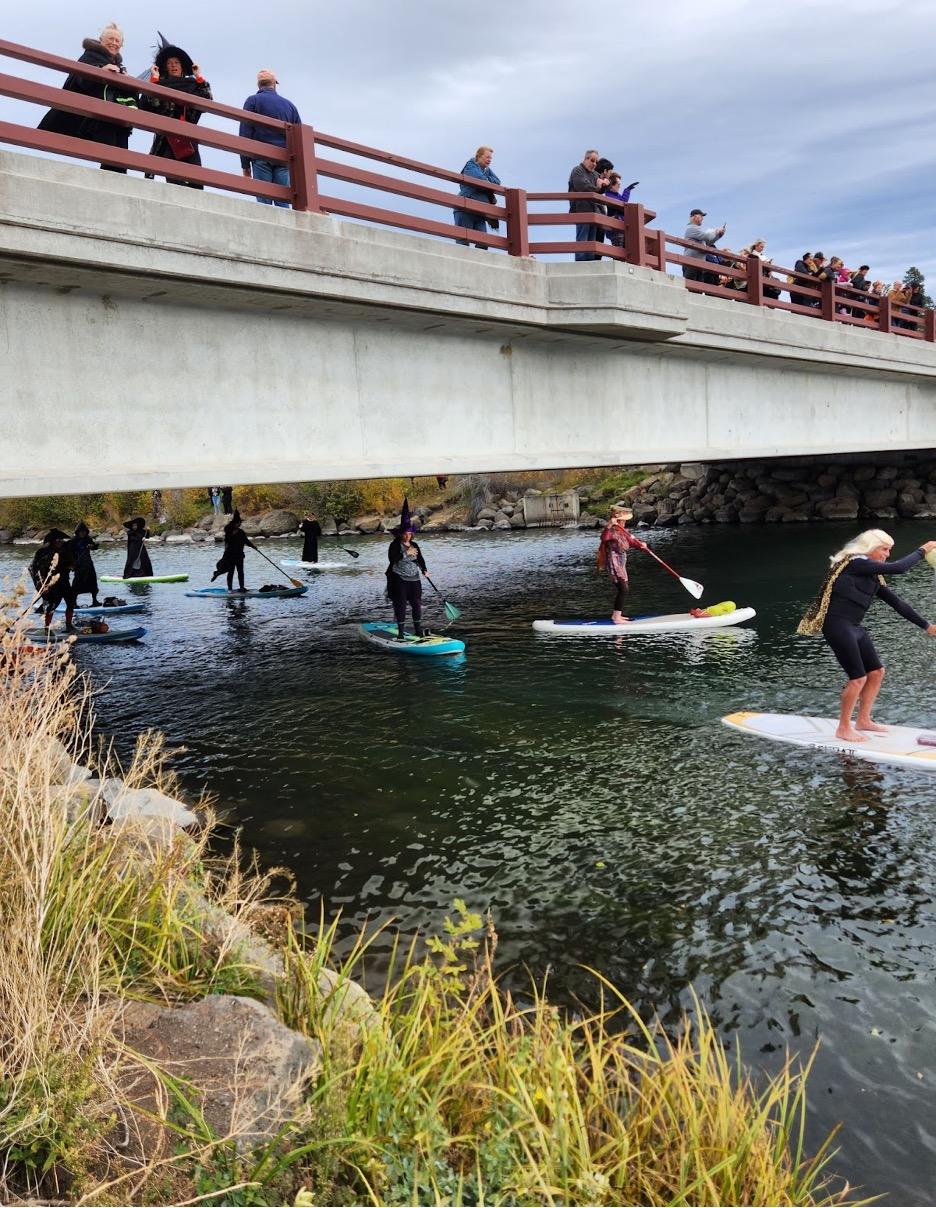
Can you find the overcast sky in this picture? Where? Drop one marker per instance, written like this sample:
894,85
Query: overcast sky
807,122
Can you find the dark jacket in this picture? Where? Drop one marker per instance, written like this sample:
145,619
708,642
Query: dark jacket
235,542
176,146
584,180
268,103
85,574
57,121
137,553
41,566
395,553
854,590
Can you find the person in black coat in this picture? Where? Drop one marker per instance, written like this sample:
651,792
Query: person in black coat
311,531
85,580
138,563
405,565
50,571
235,542
101,52
173,68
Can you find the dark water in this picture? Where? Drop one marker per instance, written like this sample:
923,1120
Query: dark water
587,793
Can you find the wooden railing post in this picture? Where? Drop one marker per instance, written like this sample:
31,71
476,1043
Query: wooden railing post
884,315
929,325
303,176
518,229
827,300
755,280
635,244
657,253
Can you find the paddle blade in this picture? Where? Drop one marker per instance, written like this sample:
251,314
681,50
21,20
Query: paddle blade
693,588
352,553
451,611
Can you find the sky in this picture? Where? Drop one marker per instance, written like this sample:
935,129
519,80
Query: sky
806,122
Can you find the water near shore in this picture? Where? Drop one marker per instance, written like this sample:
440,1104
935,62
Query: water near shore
586,791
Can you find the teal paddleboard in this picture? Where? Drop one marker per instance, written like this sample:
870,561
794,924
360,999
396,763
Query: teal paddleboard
222,593
104,610
384,635
145,579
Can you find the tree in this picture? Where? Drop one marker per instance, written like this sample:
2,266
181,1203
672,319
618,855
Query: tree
915,279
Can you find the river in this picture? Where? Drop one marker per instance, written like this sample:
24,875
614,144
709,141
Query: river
586,791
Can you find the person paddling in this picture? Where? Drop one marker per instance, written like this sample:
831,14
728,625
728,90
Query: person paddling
235,542
612,557
50,571
405,567
138,565
311,531
837,612
85,580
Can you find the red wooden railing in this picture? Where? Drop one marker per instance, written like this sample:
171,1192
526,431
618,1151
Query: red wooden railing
626,228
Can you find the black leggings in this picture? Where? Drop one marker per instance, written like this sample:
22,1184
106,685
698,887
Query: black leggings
239,567
403,592
852,646
620,595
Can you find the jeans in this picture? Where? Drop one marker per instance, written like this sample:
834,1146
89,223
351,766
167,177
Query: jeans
471,222
216,504
586,232
277,174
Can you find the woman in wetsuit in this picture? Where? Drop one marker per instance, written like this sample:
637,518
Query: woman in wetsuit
837,613
405,567
235,542
612,557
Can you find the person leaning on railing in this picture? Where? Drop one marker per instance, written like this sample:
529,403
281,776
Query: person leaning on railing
480,169
103,52
584,178
173,68
616,193
705,239
267,102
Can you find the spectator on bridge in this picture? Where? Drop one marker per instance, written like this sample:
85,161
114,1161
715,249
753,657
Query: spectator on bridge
859,280
103,52
173,68
806,266
616,193
703,238
758,249
267,102
584,178
899,295
480,169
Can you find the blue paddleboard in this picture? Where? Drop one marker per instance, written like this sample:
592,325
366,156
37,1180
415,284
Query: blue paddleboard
384,635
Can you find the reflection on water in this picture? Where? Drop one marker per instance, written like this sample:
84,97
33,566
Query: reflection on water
587,792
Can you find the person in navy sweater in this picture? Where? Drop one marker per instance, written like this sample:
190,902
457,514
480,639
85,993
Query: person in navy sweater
480,168
268,102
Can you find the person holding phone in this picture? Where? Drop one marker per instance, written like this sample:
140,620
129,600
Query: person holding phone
703,239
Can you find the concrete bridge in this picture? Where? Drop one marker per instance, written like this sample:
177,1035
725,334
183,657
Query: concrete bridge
155,336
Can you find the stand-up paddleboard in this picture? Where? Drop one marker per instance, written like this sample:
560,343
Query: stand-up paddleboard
112,635
295,564
901,745
675,622
384,635
222,593
104,610
145,579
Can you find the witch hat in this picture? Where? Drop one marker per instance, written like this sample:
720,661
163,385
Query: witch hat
406,520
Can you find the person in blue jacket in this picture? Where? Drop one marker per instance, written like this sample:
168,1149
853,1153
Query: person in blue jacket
268,102
479,167
855,579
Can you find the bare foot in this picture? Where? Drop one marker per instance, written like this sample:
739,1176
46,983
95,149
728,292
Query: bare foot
619,620
862,723
849,734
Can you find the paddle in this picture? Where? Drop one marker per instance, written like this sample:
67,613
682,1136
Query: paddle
352,553
294,582
693,588
451,611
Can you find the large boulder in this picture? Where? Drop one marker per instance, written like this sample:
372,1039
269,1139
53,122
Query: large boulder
370,524
278,523
6,536
144,803
244,1070
840,508
486,514
250,525
876,500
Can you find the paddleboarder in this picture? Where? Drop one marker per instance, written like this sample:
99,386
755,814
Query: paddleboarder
405,568
138,563
854,580
615,541
235,542
311,531
85,580
50,571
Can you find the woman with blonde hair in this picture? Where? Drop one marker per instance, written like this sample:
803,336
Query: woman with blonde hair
612,557
478,167
855,578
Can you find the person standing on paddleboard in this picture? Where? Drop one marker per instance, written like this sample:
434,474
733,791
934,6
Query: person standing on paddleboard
85,580
405,567
837,612
235,542
50,571
311,531
612,557
138,563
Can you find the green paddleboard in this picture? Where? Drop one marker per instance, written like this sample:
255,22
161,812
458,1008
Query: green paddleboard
146,579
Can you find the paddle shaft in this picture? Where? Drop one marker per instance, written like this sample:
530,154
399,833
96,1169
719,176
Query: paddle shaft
666,566
294,582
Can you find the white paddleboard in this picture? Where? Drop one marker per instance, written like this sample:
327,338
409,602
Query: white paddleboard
671,623
295,564
898,746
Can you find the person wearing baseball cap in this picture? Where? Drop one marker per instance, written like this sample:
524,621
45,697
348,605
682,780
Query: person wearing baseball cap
267,102
703,238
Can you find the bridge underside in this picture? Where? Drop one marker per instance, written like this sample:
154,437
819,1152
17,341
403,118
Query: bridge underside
152,336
